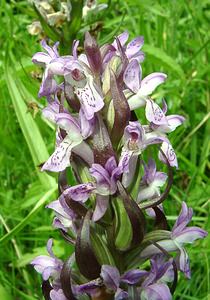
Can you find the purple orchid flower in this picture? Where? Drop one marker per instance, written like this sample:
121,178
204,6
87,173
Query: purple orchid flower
111,278
180,235
140,88
169,156
136,140
132,49
87,122
150,185
105,185
48,266
151,182
154,286
60,159
160,125
79,76
158,120
57,295
63,220
106,177
54,65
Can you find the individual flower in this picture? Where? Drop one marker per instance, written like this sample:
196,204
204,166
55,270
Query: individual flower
155,285
180,235
167,154
131,50
105,184
34,28
54,65
151,182
60,159
111,279
106,177
140,88
63,220
159,122
78,75
135,141
48,266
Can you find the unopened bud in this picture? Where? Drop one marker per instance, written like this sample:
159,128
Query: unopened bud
93,53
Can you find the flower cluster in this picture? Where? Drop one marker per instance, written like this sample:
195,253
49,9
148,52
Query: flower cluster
114,216
57,14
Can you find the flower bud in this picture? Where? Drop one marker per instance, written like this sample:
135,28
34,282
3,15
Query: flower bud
93,53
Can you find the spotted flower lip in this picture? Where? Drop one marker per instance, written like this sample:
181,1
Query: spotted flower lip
160,122
136,140
75,135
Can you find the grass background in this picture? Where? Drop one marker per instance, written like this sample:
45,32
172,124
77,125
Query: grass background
176,42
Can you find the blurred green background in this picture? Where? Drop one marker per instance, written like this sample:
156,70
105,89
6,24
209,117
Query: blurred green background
176,42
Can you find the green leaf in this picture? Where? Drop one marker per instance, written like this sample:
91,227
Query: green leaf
4,295
165,59
28,126
28,218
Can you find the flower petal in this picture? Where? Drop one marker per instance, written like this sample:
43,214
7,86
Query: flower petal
51,110
60,159
169,153
174,121
102,203
48,85
183,219
41,58
133,276
111,277
57,295
157,291
132,76
87,126
150,82
154,113
183,262
123,37
111,165
80,192
189,235
70,125
134,46
90,99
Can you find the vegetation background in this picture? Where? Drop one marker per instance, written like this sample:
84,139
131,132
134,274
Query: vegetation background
176,42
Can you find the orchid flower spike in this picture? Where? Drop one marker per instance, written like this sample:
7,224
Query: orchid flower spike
111,176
